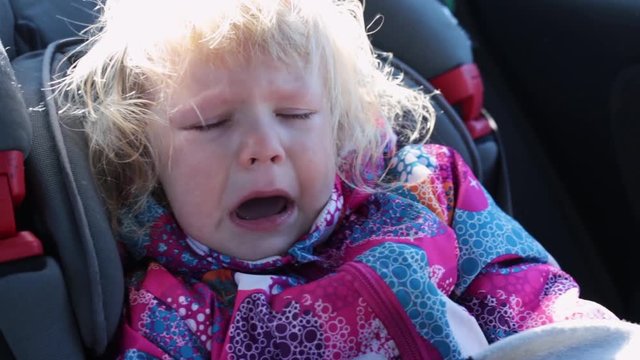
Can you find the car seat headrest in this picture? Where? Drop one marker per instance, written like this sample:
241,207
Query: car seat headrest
7,24
423,33
29,25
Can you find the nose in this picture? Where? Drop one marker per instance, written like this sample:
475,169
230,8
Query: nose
261,145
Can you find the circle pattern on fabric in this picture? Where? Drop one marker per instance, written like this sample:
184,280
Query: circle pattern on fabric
164,327
405,269
486,235
391,216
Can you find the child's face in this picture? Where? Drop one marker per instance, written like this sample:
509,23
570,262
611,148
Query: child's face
247,158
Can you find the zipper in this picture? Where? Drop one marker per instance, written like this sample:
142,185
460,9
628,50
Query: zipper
386,306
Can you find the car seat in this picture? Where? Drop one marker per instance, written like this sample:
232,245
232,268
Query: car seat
33,294
65,302
70,296
60,298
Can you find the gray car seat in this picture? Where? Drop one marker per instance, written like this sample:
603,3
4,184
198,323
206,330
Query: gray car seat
33,292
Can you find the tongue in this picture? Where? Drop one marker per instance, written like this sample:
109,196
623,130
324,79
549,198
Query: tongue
259,208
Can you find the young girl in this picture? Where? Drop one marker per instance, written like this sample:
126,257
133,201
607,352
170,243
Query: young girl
246,151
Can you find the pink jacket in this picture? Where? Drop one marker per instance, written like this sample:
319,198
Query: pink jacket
431,270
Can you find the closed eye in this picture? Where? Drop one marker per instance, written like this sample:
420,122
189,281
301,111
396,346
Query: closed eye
296,116
209,126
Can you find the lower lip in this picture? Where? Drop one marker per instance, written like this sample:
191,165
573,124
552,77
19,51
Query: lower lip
265,224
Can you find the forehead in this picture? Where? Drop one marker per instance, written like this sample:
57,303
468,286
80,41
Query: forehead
232,79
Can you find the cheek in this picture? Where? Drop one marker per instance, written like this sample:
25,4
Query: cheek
189,170
319,165
195,185
193,169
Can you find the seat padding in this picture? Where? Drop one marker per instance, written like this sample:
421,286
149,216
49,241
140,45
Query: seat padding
36,318
68,213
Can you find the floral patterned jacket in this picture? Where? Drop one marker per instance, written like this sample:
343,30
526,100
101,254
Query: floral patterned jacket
429,270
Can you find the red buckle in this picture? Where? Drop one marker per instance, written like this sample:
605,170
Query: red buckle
481,126
12,166
13,245
7,221
11,189
24,244
462,87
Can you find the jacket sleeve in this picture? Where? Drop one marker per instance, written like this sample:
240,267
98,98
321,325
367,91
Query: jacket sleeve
506,279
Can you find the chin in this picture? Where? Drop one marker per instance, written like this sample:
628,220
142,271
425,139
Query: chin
254,253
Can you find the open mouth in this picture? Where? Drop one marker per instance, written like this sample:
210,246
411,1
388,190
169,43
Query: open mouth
262,208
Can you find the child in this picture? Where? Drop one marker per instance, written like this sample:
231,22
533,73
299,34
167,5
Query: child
246,151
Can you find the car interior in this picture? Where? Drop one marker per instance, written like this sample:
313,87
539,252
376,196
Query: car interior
539,97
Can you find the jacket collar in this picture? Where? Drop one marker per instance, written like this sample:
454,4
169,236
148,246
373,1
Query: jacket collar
162,240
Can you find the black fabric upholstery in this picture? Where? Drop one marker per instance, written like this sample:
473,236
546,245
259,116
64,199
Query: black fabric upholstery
67,209
5,350
16,130
625,128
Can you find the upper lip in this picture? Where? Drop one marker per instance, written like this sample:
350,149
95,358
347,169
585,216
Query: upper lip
263,194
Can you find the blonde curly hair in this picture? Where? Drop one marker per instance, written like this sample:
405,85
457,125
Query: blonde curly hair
139,50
